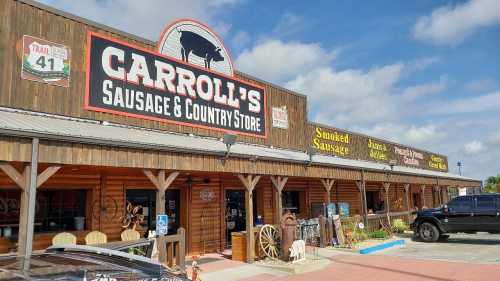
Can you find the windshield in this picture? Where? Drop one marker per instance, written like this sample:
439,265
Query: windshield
79,266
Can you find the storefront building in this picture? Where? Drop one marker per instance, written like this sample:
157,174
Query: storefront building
93,118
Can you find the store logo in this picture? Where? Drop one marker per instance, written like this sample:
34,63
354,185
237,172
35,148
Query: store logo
194,43
189,81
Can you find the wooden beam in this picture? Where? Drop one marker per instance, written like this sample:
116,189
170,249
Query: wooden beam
328,184
149,174
423,196
279,185
407,199
162,183
249,181
45,175
13,174
362,194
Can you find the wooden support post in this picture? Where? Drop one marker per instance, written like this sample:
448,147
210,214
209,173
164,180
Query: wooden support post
249,181
387,203
386,186
162,182
327,184
407,200
437,194
423,196
362,194
28,181
279,184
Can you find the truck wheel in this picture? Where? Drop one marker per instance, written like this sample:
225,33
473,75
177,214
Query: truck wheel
428,232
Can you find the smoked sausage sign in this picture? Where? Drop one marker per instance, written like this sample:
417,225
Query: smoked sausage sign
127,80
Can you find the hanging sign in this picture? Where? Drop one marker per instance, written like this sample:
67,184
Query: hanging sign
190,82
46,62
280,117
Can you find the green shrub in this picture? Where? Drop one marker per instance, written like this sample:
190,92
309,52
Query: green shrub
399,226
379,234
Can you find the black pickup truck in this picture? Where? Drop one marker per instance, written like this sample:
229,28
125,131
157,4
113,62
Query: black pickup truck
469,214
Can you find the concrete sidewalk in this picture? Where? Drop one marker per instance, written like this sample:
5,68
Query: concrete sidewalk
347,266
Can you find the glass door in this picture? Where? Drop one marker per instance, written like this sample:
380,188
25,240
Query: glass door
146,198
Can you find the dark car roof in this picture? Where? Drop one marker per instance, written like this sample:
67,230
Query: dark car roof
81,263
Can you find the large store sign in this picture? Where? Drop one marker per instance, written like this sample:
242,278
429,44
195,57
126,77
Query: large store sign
194,90
345,144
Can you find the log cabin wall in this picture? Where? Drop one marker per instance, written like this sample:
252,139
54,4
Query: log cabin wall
20,19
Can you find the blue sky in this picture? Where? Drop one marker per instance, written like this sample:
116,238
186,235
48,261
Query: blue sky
424,73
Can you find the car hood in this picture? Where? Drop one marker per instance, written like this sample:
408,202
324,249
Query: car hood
430,211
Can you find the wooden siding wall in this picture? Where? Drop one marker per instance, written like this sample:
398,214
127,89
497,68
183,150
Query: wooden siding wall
18,19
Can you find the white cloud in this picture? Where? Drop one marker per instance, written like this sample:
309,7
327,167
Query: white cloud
350,97
426,89
481,85
477,104
425,137
277,61
289,24
146,18
450,25
474,147
240,39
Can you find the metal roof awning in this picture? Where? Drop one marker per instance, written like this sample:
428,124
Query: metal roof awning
29,124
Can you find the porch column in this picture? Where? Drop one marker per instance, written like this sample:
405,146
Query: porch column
162,182
387,203
423,196
249,181
386,186
444,192
279,184
328,184
437,192
29,180
407,199
362,193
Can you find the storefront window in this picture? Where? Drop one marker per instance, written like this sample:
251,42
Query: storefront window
291,201
55,210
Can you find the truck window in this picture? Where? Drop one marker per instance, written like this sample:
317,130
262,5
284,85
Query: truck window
460,204
485,203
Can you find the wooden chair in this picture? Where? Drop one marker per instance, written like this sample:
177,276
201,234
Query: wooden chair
64,238
130,234
96,237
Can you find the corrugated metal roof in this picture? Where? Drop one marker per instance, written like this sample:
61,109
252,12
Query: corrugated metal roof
31,124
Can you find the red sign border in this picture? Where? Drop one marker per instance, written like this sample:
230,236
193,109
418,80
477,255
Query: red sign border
87,106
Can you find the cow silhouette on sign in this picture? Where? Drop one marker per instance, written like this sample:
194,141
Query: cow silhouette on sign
198,45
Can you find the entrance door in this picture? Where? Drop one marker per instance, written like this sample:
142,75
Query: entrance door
235,213
147,199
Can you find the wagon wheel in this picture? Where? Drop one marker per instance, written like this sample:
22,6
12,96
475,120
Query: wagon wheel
106,210
269,241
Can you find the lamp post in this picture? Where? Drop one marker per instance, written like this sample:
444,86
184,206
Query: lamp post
459,165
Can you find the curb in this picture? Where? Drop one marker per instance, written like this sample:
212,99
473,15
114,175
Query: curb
381,247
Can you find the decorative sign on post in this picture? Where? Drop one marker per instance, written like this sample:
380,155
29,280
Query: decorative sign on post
280,117
188,83
161,224
46,62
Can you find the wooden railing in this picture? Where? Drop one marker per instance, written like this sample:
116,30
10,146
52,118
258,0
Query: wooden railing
176,250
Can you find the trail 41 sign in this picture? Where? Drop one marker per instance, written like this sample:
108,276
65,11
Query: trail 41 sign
45,62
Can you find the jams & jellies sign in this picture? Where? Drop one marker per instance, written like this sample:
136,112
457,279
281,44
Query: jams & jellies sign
188,81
